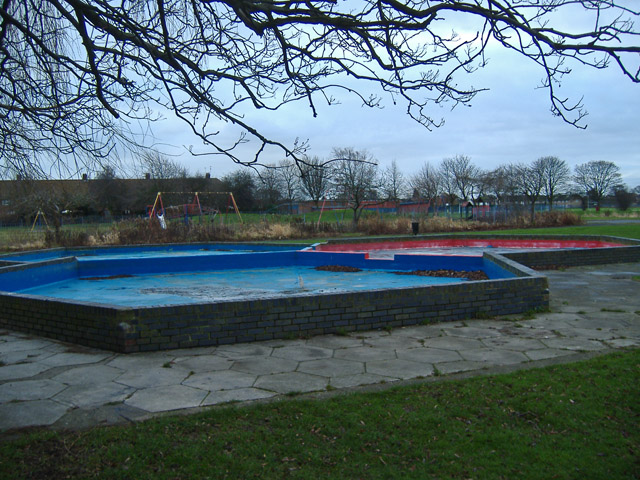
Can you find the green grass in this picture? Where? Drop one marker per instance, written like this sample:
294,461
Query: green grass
564,422
622,230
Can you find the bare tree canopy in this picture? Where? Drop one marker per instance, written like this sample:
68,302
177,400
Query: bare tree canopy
355,178
460,176
75,74
597,178
315,178
393,183
530,180
555,176
427,183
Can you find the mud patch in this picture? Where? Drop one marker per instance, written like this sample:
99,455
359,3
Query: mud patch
469,275
337,268
111,277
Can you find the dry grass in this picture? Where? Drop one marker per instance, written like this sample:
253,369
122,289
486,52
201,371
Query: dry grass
141,231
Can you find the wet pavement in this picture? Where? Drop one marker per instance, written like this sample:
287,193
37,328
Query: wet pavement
45,383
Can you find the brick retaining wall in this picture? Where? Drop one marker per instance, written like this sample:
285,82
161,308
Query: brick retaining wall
573,258
157,328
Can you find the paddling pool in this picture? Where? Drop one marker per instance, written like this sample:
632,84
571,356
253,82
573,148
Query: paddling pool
131,299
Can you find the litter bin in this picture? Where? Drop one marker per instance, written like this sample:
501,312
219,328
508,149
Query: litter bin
415,226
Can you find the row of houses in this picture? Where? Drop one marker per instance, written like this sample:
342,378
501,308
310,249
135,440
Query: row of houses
23,199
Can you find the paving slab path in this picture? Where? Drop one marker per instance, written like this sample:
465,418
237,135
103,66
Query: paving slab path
45,383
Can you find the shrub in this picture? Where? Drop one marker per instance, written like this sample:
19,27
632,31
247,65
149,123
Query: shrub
556,218
66,238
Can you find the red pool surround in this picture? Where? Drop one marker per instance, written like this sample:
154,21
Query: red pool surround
465,242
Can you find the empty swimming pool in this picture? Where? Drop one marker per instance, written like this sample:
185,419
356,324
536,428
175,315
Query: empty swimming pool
163,301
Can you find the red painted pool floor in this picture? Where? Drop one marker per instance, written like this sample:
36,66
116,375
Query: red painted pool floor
459,246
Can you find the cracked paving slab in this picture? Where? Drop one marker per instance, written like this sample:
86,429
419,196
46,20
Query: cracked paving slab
68,359
21,370
302,353
237,395
348,381
29,390
30,414
402,369
495,357
91,375
152,377
292,382
220,380
265,365
203,363
331,367
94,395
162,399
364,354
429,355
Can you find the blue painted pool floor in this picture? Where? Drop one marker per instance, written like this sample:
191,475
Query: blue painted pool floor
212,286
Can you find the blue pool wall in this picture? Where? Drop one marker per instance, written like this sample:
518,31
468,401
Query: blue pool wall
24,276
133,250
14,278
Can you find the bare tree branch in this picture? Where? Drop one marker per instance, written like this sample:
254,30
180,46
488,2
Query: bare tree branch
75,74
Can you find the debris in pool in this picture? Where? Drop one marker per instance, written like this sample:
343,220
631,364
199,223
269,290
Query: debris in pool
470,275
337,268
111,277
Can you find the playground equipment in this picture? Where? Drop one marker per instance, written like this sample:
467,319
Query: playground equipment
39,216
171,205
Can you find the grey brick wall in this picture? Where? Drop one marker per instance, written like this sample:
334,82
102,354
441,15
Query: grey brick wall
159,328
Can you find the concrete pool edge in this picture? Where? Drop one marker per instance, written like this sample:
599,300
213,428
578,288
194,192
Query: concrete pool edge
13,258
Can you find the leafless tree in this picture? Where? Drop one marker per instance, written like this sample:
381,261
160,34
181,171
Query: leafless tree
530,179
555,175
49,198
269,186
504,183
449,186
393,183
427,182
483,184
156,165
356,178
289,180
597,178
75,73
460,175
162,174
315,176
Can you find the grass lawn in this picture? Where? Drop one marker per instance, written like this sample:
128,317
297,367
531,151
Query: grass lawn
568,421
607,212
630,230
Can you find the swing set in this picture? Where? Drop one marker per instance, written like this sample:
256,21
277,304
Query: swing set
191,207
39,216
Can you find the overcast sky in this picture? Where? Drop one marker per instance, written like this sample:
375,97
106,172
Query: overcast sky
511,122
